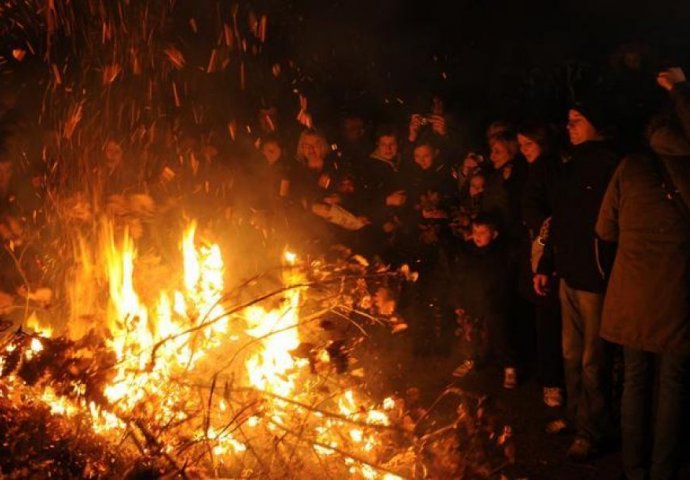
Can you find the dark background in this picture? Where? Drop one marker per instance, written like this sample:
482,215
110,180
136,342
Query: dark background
488,58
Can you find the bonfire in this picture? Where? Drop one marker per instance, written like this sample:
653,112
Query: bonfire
203,384
161,367
199,380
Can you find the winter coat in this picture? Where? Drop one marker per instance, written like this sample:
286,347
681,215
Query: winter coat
502,197
579,185
537,206
647,303
428,189
379,178
538,193
308,186
480,280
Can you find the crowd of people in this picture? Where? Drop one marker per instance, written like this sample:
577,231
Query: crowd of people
591,241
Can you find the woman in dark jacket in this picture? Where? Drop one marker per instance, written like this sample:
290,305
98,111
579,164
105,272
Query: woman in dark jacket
536,146
647,303
504,187
429,187
312,179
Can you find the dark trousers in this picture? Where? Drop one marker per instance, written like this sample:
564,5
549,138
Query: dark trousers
548,321
653,454
586,363
425,304
501,339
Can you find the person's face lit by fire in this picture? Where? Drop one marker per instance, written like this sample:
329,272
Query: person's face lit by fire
529,148
424,156
346,185
501,153
353,129
477,184
580,129
483,235
313,151
271,152
387,147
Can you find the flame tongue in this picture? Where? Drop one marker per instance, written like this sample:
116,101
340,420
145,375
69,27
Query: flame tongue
153,346
277,329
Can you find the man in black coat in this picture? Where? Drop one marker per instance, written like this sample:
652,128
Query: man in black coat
647,304
579,183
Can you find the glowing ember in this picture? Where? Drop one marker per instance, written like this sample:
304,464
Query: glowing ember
32,323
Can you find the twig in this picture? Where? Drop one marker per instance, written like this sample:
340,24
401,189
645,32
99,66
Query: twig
353,456
363,314
151,439
207,423
325,413
302,426
255,301
447,391
25,279
212,321
207,419
346,317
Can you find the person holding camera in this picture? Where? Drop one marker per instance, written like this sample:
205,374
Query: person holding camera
436,124
647,304
434,120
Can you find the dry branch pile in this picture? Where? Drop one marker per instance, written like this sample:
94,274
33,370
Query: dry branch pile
209,420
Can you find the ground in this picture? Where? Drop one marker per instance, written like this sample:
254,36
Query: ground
539,455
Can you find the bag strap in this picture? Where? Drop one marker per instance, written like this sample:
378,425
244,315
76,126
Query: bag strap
670,188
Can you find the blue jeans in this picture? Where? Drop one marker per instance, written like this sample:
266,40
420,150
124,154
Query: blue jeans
647,454
586,363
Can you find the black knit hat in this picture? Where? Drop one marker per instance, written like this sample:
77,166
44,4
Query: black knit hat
594,111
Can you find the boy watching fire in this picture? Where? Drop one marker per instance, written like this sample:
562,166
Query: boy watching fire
480,295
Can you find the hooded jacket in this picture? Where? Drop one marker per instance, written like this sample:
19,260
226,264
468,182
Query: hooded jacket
647,303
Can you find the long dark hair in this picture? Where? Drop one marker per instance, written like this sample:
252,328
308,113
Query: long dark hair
543,135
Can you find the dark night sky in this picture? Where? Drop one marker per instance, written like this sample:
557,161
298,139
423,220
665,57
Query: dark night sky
488,49
488,58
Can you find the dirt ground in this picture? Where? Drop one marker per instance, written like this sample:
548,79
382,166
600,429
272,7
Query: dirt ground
539,455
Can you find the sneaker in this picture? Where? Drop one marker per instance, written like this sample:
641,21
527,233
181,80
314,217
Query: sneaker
581,450
510,378
553,397
463,369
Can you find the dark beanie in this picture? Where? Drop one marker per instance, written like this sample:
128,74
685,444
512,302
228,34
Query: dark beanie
594,110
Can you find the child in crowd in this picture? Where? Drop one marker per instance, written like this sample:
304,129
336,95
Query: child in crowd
469,206
480,293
